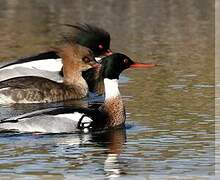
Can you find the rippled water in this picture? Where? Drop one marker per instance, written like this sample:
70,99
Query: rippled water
170,109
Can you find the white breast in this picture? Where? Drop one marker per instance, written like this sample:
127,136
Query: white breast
111,88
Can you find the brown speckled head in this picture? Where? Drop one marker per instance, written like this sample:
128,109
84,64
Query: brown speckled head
76,55
76,58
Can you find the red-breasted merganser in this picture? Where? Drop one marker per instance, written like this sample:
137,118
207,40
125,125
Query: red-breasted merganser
109,115
32,89
49,64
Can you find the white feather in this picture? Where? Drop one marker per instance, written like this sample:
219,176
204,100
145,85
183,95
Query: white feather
111,88
3,89
73,116
53,65
111,166
48,123
98,59
6,99
76,117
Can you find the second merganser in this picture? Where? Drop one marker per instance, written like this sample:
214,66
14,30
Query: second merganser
32,89
49,64
111,114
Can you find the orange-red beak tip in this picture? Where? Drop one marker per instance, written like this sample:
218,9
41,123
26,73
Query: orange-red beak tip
143,65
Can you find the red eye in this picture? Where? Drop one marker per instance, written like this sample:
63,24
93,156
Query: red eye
125,61
86,59
100,46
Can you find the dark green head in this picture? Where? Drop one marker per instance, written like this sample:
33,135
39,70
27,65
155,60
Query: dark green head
114,64
94,38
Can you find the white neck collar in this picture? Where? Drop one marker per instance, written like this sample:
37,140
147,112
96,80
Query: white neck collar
111,88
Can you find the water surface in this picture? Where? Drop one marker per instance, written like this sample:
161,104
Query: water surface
170,109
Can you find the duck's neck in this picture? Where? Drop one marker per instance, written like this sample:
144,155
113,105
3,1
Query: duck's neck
73,78
111,89
113,104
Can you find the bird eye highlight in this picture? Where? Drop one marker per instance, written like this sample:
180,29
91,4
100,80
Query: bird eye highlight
125,61
101,46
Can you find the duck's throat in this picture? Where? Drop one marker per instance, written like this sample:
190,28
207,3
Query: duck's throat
113,105
74,78
111,88
77,82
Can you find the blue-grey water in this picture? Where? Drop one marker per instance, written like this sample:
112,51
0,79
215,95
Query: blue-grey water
170,109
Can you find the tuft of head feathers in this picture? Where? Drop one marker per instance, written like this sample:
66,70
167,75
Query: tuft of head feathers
92,37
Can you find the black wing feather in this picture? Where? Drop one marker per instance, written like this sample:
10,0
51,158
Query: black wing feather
98,117
41,56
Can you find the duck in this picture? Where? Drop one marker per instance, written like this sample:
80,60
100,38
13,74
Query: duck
49,64
111,114
34,89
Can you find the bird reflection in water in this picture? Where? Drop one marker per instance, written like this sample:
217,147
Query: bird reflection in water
113,140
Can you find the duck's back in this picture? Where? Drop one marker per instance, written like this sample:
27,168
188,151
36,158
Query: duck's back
55,120
47,65
43,124
31,89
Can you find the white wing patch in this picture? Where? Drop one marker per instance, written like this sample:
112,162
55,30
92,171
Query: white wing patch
98,59
83,121
5,99
86,121
73,116
4,89
53,65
